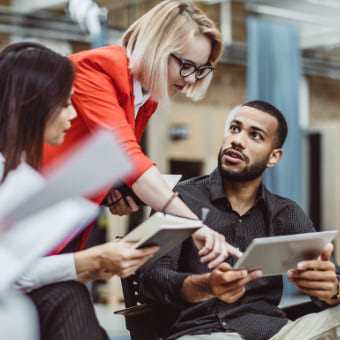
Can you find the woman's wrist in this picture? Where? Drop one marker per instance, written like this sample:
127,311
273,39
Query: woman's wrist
178,207
168,202
86,262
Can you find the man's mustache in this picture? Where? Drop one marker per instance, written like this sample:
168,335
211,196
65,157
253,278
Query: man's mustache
237,152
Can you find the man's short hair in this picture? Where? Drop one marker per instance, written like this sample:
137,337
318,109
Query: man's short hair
282,129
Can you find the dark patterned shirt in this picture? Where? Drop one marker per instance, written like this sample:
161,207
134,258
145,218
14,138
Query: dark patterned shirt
256,315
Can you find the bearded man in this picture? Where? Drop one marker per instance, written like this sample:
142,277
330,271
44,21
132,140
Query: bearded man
222,303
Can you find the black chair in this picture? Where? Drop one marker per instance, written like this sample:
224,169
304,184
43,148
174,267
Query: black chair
297,311
145,321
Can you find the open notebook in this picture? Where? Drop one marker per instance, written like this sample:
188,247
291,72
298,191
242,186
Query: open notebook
37,213
165,230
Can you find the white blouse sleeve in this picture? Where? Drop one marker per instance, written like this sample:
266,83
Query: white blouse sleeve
47,270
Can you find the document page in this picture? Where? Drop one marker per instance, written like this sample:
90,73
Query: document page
97,163
19,185
36,235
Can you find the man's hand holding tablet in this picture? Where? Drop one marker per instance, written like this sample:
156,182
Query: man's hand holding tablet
229,285
224,283
318,277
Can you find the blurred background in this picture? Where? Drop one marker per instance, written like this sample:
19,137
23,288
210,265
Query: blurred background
286,52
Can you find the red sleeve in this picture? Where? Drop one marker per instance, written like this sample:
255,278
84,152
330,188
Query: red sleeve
96,101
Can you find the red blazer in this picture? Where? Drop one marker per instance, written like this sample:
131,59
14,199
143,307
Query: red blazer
103,97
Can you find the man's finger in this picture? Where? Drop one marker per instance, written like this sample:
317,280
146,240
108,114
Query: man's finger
316,265
234,275
243,281
224,267
231,298
315,285
217,261
314,275
327,252
222,279
321,294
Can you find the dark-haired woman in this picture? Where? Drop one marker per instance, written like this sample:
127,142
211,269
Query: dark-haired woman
35,108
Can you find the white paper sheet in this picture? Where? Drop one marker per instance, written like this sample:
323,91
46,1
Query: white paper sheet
36,235
97,163
19,185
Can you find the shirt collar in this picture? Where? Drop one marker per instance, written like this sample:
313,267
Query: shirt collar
215,186
139,97
216,189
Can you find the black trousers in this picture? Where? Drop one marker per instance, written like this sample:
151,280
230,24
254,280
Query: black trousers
66,312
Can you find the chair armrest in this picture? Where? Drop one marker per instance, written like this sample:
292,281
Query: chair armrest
135,310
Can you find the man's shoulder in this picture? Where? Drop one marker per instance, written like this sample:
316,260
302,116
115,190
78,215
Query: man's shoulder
279,201
287,215
195,191
198,183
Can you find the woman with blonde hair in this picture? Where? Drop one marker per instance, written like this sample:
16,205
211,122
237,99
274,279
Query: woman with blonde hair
173,48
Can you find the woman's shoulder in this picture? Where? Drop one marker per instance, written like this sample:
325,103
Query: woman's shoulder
109,58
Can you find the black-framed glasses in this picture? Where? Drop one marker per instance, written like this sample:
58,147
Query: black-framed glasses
187,68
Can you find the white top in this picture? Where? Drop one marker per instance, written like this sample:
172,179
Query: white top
47,270
57,268
2,165
140,97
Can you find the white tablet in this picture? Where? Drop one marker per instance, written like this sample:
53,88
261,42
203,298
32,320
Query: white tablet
275,255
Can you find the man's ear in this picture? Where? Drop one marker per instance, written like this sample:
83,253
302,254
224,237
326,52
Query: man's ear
275,157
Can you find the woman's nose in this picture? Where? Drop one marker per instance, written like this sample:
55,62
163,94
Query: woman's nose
190,79
72,112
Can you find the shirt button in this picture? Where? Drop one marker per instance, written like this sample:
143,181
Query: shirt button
240,220
224,324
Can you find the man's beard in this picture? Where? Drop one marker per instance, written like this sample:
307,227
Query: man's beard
250,173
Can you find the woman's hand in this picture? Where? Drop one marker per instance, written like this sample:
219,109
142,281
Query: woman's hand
212,246
112,258
120,206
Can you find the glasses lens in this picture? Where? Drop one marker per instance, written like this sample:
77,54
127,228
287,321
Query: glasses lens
187,69
203,72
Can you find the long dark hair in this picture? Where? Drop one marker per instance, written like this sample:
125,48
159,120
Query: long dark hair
35,83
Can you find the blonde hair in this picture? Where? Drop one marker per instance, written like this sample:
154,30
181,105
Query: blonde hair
167,28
